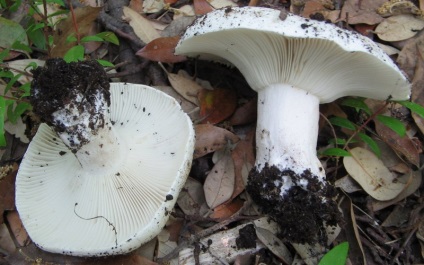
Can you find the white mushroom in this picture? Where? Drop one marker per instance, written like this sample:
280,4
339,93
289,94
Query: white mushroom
294,64
115,191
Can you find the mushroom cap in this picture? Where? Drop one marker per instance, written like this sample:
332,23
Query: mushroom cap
315,56
67,210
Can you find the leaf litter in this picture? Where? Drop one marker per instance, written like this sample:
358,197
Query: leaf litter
213,203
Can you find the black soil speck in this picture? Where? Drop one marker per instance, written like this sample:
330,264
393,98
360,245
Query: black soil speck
299,213
247,237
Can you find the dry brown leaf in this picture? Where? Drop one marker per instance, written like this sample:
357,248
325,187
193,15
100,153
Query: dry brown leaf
161,50
84,18
403,145
398,216
373,176
219,183
6,241
202,7
17,228
244,114
142,27
274,244
400,27
361,11
7,192
413,182
244,158
186,87
347,184
153,6
136,5
226,210
192,198
210,138
216,105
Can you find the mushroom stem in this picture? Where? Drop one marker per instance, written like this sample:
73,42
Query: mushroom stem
287,131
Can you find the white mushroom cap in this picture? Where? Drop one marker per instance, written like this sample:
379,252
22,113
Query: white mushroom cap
67,209
327,61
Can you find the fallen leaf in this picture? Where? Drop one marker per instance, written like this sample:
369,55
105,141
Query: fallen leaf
186,87
202,7
403,145
11,32
18,66
274,244
18,129
142,26
219,183
414,180
222,3
397,217
224,211
6,241
192,198
84,18
17,228
310,8
210,138
400,27
161,50
184,11
361,11
153,6
188,107
165,246
347,184
7,190
244,114
136,5
216,105
372,175
244,158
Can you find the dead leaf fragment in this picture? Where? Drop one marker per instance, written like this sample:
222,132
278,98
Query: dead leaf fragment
186,87
373,176
162,50
361,11
400,27
226,210
216,105
142,27
219,183
17,228
192,198
202,7
7,191
210,138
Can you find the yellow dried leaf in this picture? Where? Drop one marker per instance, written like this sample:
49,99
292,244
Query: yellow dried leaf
142,27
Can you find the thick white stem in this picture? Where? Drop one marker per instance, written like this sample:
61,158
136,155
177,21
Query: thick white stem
287,130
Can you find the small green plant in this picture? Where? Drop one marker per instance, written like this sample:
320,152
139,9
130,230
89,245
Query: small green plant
336,256
359,130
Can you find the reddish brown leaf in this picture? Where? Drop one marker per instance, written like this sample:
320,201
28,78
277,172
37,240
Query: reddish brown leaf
7,192
202,7
216,105
170,1
136,5
17,228
244,158
244,114
210,138
403,145
224,211
162,50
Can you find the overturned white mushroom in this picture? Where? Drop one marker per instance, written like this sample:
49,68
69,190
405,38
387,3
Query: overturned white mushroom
294,64
116,191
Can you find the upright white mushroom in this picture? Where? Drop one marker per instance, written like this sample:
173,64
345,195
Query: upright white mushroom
294,64
106,181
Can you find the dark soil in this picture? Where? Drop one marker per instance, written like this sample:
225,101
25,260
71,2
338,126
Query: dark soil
301,213
247,237
77,87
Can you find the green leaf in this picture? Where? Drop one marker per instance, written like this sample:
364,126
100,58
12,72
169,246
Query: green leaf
11,32
71,38
336,256
414,107
11,83
13,113
2,116
394,124
356,103
74,54
4,54
105,63
91,38
26,88
335,152
371,143
17,45
342,122
109,37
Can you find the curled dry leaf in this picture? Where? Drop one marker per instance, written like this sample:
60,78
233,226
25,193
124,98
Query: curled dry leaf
403,145
210,138
216,105
142,27
373,176
400,27
192,198
161,49
412,182
219,183
186,87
